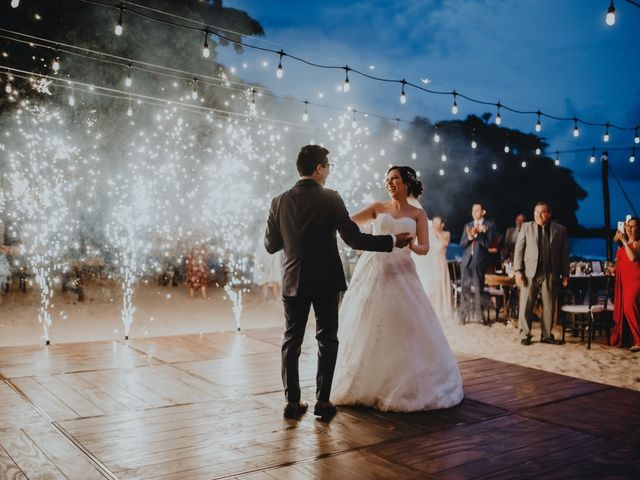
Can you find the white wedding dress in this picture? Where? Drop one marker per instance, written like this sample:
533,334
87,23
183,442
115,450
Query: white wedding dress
393,354
433,271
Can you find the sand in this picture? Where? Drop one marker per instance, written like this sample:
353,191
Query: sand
162,311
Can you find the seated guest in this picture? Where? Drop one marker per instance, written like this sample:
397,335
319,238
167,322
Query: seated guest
626,306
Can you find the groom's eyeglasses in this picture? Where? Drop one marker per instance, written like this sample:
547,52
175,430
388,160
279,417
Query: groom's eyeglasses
330,166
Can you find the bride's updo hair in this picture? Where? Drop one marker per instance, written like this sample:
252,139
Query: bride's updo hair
410,179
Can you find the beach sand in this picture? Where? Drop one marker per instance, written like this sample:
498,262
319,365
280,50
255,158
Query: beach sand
165,311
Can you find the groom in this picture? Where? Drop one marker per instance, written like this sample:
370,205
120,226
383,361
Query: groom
303,221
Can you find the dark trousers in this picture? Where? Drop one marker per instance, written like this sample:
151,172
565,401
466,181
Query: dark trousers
296,312
472,289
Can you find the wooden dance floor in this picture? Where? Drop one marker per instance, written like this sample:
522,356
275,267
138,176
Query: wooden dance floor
210,406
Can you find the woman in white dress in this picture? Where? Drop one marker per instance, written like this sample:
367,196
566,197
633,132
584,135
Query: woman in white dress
434,272
267,270
393,354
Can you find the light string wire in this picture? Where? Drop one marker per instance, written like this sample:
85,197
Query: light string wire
125,63
208,29
124,95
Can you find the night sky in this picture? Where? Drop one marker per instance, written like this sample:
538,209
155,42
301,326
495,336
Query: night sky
556,56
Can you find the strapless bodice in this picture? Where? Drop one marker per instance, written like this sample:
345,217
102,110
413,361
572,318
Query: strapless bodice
387,224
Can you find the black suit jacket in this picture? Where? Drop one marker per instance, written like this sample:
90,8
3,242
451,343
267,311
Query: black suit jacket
483,242
303,221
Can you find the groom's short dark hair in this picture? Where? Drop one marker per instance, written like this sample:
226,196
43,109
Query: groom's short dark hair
310,157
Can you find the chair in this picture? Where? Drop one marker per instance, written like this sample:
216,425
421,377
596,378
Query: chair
584,315
454,277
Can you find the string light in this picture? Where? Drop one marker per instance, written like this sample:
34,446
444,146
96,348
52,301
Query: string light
576,131
56,64
403,95
637,137
506,148
592,158
396,130
128,81
279,71
72,99
15,3
538,124
118,29
441,172
414,155
523,164
466,169
606,134
194,93
129,110
205,47
253,96
474,144
346,86
494,166
632,158
443,157
538,151
8,88
610,19
305,115
436,137
498,116
557,161
454,107
354,122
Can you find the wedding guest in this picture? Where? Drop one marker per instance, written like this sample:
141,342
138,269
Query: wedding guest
197,270
477,237
626,306
433,270
541,261
267,270
510,238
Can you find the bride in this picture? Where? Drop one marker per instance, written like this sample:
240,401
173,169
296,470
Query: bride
393,354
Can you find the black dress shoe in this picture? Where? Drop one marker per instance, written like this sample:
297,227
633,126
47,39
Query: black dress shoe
325,410
295,410
550,341
525,341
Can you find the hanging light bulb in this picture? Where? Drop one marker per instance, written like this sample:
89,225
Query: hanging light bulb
498,116
118,29
494,166
443,157
403,96
441,172
354,123
253,96
637,137
538,151
610,19
56,64
305,115
205,47
72,99
606,134
474,144
279,71
538,124
557,161
15,3
414,155
436,137
454,107
346,86
506,148
396,130
592,158
129,110
128,81
576,131
523,164
466,169
194,93
8,88
632,158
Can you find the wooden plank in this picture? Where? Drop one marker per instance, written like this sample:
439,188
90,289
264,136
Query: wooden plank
93,393
70,397
44,399
27,456
8,469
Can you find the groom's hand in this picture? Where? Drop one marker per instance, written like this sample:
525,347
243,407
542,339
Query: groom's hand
403,239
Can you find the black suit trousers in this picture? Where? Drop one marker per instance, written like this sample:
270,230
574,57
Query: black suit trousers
296,312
